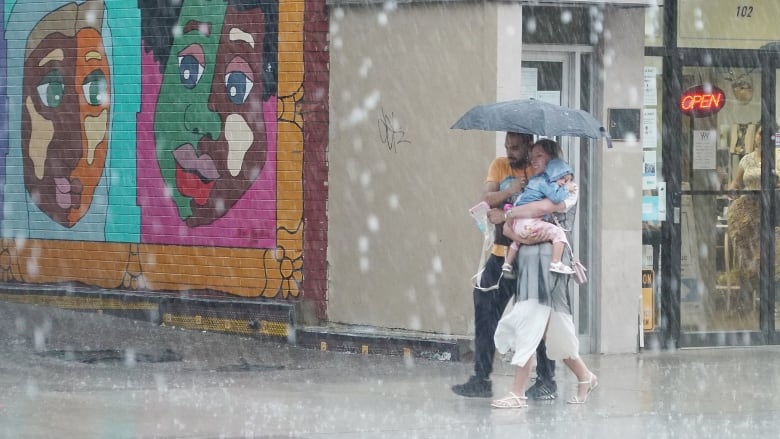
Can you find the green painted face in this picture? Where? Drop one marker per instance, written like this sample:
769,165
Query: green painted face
183,118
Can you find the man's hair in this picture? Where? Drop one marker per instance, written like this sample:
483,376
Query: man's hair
550,146
526,138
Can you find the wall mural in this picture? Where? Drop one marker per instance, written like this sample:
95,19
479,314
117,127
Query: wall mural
153,146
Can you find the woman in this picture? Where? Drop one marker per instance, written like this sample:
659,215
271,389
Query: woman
542,310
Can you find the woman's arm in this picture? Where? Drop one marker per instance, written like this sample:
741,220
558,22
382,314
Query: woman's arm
534,209
737,183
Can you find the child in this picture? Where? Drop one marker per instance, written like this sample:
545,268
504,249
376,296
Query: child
556,184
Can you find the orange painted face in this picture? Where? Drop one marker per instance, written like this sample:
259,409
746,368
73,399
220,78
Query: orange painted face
65,121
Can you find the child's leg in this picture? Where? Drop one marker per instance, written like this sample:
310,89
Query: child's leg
557,251
559,242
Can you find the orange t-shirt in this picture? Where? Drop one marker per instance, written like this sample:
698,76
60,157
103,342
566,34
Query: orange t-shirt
500,172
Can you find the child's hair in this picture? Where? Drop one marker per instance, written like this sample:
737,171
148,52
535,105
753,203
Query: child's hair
550,146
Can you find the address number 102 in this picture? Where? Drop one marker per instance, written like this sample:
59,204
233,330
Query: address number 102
744,11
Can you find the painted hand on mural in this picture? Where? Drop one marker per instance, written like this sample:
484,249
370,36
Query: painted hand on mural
65,111
209,124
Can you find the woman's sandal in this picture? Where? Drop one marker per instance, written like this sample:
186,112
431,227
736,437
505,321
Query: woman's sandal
510,402
592,383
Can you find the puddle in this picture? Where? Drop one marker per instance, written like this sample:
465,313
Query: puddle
112,356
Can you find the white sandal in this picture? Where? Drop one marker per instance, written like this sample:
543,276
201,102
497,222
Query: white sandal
592,383
510,402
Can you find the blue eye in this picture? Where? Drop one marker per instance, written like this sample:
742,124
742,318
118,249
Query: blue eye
190,71
238,86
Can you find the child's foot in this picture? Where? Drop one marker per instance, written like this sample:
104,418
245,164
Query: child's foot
558,267
508,272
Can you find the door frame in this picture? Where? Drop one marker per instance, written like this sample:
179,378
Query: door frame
571,91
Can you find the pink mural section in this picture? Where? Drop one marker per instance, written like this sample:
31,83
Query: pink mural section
250,223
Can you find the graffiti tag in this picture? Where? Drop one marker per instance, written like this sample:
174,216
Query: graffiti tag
390,134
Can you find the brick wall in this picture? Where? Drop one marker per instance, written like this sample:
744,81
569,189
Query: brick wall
158,147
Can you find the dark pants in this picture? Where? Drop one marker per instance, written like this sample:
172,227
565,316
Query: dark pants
488,308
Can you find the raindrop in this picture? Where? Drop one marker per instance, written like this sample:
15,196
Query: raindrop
338,43
414,322
365,66
338,13
371,101
393,202
566,16
176,31
437,265
381,18
373,223
365,178
364,264
129,357
219,206
356,116
39,339
630,193
530,25
363,244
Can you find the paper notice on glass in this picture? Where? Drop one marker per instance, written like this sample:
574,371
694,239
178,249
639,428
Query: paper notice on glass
704,144
651,89
649,175
661,201
549,96
649,128
528,83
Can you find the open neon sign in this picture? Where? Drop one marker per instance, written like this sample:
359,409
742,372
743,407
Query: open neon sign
701,101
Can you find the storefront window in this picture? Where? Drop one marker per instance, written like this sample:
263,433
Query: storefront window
720,205
654,26
653,191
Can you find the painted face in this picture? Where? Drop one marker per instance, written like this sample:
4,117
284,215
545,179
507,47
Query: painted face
209,128
65,119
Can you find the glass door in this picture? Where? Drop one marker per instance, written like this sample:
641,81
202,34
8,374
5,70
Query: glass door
563,77
726,201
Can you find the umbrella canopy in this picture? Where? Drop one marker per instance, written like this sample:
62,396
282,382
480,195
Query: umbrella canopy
531,116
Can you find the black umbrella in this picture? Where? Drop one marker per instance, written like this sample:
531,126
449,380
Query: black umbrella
532,116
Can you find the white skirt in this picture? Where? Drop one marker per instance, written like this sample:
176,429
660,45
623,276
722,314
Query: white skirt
522,328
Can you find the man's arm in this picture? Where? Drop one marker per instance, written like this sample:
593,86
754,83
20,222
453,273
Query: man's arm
495,197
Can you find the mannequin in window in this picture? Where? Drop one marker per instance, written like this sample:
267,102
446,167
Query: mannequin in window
744,216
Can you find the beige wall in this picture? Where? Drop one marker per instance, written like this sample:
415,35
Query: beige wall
618,208
402,247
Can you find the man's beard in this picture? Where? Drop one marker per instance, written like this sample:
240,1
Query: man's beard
519,164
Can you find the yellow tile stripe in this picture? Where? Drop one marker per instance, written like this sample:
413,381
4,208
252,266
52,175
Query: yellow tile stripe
71,302
218,324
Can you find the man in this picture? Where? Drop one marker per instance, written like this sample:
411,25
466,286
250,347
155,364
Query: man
506,177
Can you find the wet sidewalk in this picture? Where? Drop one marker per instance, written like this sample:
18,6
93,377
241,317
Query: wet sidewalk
71,374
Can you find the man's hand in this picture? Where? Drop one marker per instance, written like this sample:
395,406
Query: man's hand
496,216
517,185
